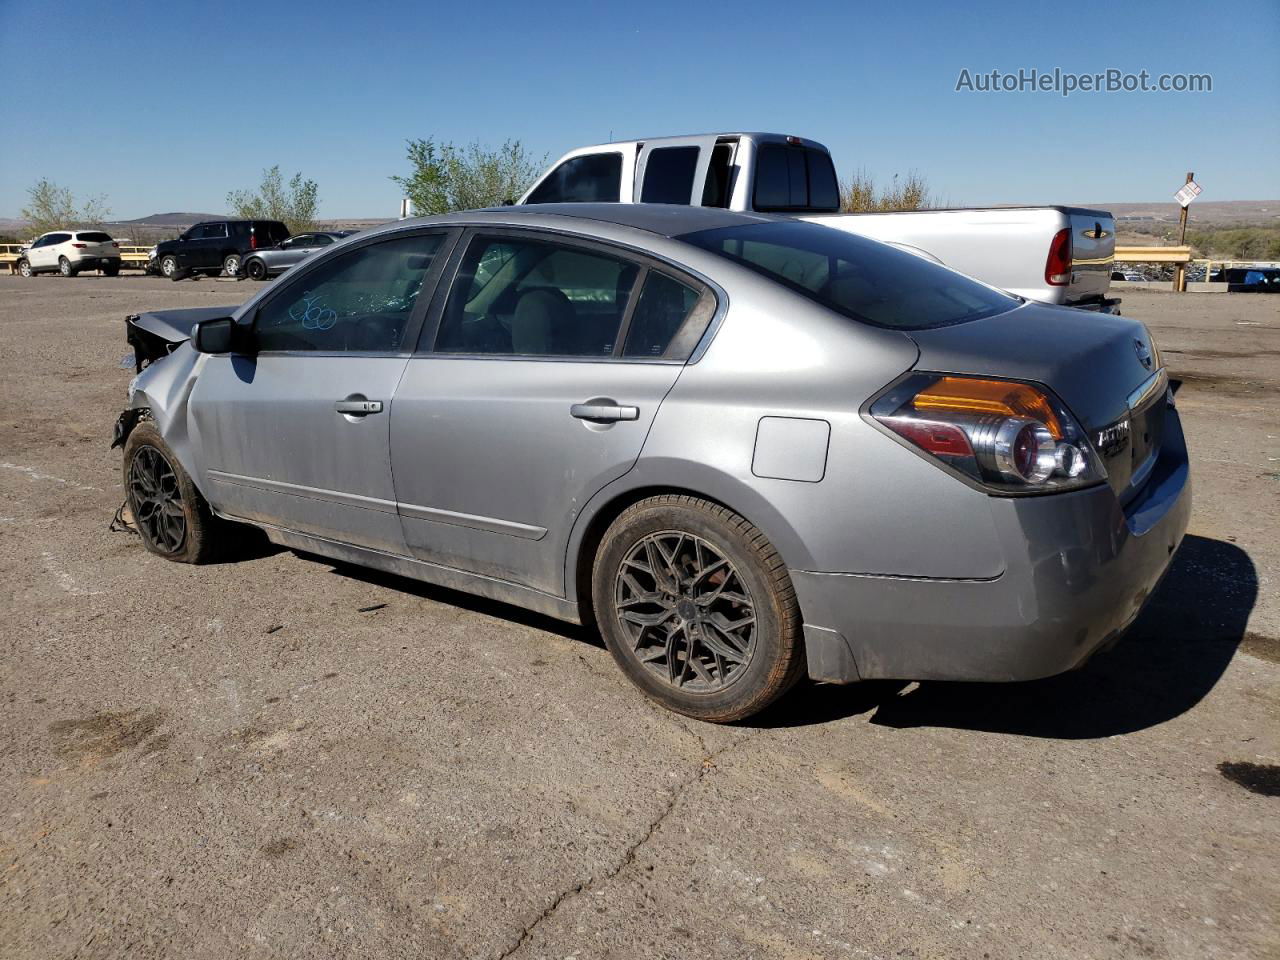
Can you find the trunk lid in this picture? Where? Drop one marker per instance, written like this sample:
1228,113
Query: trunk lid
1093,251
1103,367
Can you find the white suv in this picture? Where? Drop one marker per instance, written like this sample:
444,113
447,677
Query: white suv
69,251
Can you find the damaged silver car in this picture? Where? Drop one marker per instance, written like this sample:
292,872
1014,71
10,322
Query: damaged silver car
745,448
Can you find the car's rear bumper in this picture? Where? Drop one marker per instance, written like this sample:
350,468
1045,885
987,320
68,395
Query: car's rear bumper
1078,570
97,263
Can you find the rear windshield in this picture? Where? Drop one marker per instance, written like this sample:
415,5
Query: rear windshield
792,178
863,279
94,236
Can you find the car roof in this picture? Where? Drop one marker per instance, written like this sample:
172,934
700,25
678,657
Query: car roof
661,219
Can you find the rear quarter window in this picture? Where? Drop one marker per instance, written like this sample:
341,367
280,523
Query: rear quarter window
862,279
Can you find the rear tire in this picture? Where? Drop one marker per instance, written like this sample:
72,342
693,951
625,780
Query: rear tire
65,268
111,271
231,264
715,633
24,269
172,517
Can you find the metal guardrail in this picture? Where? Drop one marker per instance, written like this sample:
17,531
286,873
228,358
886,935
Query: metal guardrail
1153,255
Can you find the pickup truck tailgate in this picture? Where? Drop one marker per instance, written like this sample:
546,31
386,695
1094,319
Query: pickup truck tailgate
1093,250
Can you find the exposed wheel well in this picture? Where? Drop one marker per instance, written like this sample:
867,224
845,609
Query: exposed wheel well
595,531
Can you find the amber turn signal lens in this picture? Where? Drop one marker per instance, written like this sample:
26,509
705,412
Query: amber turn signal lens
1002,397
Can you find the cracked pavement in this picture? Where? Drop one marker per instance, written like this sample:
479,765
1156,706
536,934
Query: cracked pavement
277,757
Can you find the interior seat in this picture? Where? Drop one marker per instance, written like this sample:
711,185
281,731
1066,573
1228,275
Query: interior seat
543,317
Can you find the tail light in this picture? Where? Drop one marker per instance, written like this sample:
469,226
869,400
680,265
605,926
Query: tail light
1057,269
1009,437
253,239
79,246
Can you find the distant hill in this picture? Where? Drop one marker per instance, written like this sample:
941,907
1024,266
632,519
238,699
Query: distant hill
167,220
1204,213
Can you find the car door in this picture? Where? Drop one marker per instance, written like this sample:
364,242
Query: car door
208,252
39,255
549,359
296,435
674,170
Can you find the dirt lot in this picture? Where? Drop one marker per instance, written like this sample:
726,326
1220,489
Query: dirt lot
277,758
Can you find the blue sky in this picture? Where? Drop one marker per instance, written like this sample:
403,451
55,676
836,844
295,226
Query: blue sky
167,107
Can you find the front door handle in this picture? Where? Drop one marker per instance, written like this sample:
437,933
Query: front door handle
359,406
604,412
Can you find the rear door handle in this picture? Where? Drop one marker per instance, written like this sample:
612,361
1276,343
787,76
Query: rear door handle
358,407
604,412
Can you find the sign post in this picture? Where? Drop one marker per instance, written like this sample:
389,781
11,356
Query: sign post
1189,191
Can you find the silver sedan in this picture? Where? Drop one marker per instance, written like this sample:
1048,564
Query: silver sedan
743,448
262,264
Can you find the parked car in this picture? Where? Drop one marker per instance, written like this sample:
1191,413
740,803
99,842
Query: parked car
1053,254
217,246
69,251
1127,276
743,447
275,260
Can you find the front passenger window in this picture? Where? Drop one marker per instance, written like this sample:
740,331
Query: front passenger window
358,301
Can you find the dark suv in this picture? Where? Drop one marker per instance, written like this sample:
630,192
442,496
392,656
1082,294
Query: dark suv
217,246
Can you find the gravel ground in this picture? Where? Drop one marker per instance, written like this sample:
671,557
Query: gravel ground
275,757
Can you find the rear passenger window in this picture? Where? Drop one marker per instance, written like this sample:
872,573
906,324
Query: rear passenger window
668,175
360,301
661,310
213,231
534,298
592,178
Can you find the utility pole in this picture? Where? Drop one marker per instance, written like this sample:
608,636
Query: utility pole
1180,276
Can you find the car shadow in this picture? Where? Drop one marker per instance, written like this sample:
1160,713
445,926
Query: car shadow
456,598
1168,661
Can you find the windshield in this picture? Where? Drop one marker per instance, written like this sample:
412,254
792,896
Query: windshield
863,279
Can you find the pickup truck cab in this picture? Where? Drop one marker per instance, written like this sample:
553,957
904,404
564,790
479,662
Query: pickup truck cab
1053,254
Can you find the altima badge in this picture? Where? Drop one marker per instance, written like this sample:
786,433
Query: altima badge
1144,353
1111,440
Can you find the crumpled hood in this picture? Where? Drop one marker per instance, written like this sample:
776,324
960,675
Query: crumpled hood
155,334
174,326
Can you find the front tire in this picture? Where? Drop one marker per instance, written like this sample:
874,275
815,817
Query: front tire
697,608
24,269
169,266
65,268
256,269
172,517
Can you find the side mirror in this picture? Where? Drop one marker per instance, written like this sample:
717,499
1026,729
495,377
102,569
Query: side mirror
222,335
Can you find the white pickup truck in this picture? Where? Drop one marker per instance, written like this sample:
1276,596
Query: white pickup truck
1053,254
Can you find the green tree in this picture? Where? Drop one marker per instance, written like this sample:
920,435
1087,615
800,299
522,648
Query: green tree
859,194
294,203
444,178
51,207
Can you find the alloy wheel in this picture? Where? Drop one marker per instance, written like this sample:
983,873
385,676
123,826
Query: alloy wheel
686,611
231,266
156,500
